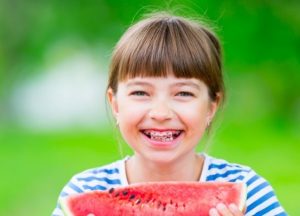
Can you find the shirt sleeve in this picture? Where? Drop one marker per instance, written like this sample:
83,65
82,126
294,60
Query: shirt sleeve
261,198
72,187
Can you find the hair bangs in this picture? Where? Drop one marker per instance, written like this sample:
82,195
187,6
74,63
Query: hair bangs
164,48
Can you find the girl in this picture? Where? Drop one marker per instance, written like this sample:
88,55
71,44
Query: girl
164,88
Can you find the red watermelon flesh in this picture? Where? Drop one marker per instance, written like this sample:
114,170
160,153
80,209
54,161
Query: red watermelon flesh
163,198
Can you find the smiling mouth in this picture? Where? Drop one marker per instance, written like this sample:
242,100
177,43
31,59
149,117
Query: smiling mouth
162,136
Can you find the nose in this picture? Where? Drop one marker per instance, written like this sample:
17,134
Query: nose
161,111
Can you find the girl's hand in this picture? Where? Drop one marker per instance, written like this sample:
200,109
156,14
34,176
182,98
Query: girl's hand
223,210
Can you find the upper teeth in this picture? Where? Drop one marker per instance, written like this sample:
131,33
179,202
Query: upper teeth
162,136
163,133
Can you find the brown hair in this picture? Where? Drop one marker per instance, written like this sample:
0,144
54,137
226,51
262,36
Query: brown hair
164,43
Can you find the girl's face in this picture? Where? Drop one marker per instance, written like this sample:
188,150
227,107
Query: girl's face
162,118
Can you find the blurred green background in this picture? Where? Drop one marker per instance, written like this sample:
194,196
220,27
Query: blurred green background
54,59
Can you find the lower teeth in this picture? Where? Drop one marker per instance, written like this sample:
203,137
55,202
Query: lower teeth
162,139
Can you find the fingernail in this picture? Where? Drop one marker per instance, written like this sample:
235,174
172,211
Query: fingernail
213,212
232,207
221,206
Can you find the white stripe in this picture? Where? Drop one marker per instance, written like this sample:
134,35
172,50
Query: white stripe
57,211
221,161
95,183
217,161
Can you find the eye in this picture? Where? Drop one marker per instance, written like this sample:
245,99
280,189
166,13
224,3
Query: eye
185,94
139,93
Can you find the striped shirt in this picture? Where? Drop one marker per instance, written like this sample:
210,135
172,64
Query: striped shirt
261,199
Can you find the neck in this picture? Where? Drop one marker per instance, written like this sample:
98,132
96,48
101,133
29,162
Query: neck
185,169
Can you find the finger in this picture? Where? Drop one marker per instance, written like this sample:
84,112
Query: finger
234,209
213,212
223,210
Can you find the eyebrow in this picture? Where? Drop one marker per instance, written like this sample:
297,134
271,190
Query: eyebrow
135,83
177,84
188,83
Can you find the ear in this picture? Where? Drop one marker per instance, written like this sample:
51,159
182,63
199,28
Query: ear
113,102
213,107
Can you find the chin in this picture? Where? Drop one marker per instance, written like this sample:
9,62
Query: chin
162,158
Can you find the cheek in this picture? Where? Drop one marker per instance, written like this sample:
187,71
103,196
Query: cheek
195,123
130,115
194,115
132,110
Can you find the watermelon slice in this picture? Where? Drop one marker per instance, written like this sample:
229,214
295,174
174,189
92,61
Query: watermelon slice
161,198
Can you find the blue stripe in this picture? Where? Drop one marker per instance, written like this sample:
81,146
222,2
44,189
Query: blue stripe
236,179
63,194
282,214
222,166
97,187
267,209
91,178
108,171
75,188
253,179
223,175
257,189
260,201
219,166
